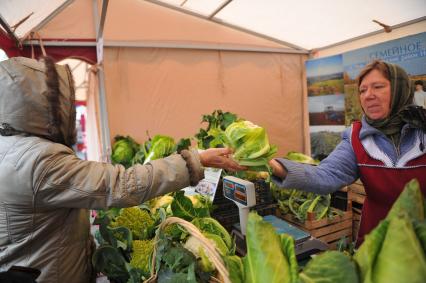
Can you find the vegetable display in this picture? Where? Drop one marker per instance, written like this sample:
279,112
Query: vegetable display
394,251
299,203
126,241
134,243
127,152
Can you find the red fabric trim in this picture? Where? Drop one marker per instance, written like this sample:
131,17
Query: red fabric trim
58,53
8,46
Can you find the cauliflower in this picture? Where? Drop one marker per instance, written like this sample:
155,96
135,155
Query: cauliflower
137,220
163,201
142,250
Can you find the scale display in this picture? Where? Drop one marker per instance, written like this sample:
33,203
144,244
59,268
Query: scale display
242,192
235,192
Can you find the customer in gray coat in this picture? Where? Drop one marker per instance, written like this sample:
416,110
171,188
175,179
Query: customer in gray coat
46,191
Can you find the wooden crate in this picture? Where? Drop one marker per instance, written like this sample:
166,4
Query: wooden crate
329,231
356,212
356,192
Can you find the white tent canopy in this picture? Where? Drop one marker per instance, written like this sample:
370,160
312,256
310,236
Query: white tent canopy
306,25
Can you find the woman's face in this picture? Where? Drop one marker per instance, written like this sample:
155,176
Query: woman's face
375,95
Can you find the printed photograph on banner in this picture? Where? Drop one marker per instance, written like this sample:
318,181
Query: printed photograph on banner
408,52
325,76
327,109
324,139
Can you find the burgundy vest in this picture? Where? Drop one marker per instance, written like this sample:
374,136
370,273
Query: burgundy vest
383,180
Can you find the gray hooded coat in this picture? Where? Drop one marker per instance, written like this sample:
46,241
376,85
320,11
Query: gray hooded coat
45,190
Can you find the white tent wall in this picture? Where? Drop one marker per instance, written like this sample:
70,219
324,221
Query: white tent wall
399,32
166,91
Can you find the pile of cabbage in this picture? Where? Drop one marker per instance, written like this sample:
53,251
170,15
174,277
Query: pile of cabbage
395,251
127,152
126,241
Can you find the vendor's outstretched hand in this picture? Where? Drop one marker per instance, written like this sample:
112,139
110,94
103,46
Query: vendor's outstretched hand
277,169
219,158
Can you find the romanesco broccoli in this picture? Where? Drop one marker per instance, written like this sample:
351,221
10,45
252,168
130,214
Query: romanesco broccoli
142,250
137,220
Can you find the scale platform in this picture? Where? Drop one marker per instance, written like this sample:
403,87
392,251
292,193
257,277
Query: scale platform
243,194
305,244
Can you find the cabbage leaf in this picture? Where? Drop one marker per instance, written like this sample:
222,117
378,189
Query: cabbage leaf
401,258
329,267
264,261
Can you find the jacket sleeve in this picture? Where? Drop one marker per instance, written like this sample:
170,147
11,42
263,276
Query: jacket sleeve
63,180
337,170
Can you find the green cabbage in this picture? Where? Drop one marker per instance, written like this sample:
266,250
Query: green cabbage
288,249
235,266
159,147
123,150
401,258
330,267
250,144
212,226
367,253
264,261
393,251
409,201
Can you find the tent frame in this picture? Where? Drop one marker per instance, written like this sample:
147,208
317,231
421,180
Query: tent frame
7,28
105,132
371,34
220,22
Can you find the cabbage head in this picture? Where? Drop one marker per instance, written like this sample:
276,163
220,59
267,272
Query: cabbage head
250,144
123,150
160,147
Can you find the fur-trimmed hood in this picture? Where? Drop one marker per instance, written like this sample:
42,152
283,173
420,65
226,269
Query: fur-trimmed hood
37,98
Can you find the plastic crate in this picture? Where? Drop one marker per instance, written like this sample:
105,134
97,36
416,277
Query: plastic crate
231,216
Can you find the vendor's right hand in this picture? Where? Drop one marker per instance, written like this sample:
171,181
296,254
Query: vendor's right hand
277,169
220,158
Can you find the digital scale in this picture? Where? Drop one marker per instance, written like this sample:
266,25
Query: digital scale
243,194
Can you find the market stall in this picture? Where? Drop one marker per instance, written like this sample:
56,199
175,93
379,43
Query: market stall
171,76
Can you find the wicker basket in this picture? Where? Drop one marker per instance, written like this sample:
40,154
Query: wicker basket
211,251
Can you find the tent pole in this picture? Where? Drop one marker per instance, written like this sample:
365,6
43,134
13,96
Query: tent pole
220,22
394,27
105,133
50,17
220,8
305,111
9,31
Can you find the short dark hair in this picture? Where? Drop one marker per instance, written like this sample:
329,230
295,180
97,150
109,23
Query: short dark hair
418,82
378,65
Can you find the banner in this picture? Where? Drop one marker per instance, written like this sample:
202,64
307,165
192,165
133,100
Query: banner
332,90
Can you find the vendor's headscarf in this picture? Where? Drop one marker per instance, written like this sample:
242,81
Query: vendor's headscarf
401,97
